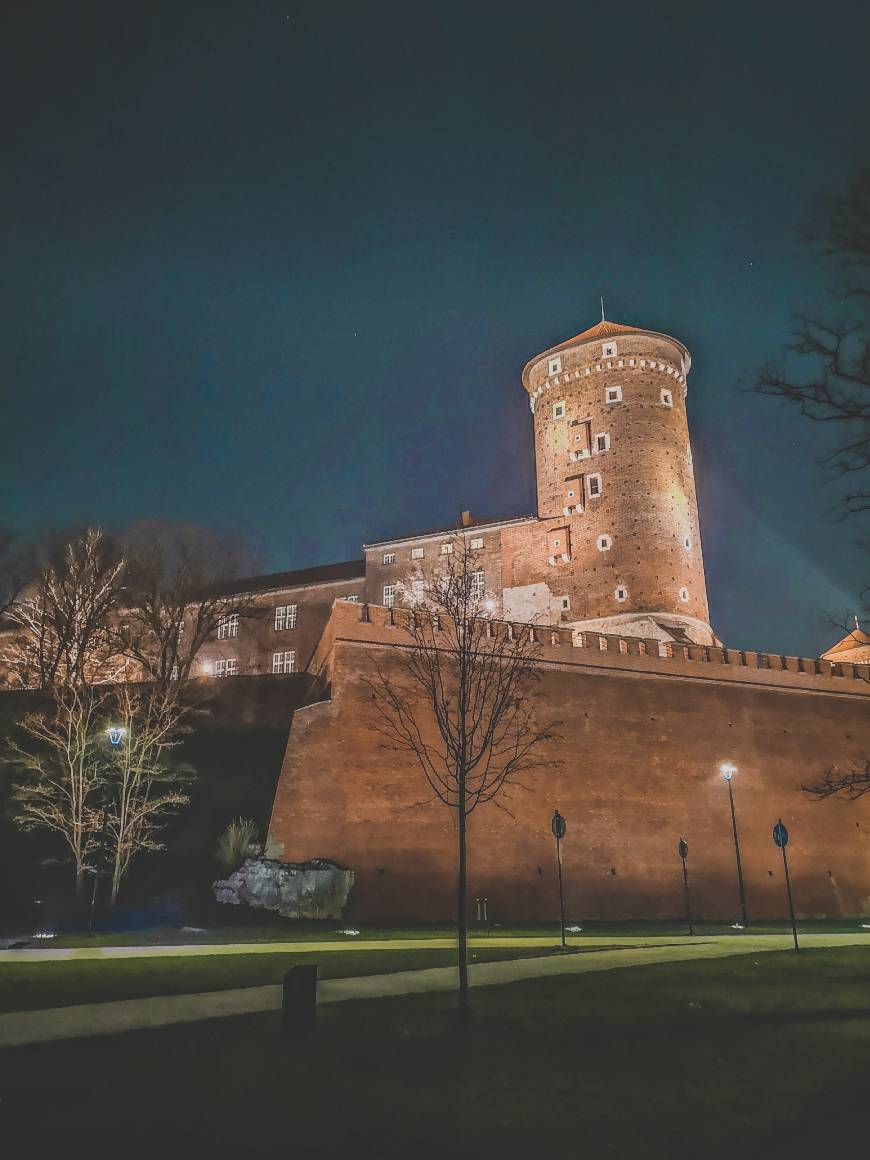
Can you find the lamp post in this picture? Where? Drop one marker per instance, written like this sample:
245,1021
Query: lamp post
116,735
727,770
780,837
683,851
559,826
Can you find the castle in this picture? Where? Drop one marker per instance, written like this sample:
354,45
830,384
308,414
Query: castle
610,575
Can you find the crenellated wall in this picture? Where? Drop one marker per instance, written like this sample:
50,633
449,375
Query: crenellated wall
644,726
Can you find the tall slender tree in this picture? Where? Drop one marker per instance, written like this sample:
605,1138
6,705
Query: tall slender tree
458,698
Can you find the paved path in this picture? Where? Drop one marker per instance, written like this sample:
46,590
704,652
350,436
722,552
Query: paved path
22,1027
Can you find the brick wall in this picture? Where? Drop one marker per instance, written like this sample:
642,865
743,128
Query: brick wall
642,738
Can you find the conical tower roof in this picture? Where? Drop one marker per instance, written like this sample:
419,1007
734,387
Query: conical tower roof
853,649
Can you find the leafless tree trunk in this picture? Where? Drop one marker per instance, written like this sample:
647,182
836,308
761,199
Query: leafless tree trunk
461,703
146,784
59,754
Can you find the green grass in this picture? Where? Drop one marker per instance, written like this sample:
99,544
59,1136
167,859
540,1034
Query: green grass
746,1057
288,931
29,986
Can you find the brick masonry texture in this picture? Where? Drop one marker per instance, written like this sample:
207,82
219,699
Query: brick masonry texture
642,737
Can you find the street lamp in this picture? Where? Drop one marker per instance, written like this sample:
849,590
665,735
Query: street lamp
683,851
728,770
116,734
559,826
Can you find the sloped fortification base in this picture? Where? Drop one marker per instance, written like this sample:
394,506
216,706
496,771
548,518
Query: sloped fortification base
315,889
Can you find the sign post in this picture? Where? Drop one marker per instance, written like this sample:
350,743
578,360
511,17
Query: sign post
683,851
559,826
780,836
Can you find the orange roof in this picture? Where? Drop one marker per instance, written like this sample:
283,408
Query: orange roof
853,649
603,329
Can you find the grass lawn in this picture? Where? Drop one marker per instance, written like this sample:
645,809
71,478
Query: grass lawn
27,986
743,1057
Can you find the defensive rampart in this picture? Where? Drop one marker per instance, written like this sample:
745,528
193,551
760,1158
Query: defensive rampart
643,729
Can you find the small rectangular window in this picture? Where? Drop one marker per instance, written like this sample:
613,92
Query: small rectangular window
667,398
602,442
613,394
416,553
593,486
478,583
227,668
621,594
284,662
418,589
389,557
285,616
554,366
476,543
558,410
351,599
608,350
389,595
446,549
228,626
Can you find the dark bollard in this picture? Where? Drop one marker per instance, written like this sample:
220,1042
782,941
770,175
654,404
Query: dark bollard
299,1001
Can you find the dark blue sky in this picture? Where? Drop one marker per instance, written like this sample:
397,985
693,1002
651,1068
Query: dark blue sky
277,267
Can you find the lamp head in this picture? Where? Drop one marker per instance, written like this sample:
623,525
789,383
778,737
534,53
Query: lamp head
115,733
727,770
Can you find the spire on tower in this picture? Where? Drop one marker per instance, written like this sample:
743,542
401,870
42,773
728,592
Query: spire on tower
602,308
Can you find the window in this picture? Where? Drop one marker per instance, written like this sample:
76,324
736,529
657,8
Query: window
418,589
478,583
593,486
558,410
389,557
613,394
351,599
416,553
602,442
284,662
667,397
604,543
389,595
228,626
565,603
621,593
446,549
687,543
227,668
554,366
476,543
608,350
557,543
173,676
285,616
684,595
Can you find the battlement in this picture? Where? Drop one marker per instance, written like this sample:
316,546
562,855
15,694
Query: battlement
372,623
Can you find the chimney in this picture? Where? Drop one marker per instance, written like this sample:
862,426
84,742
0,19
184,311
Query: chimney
466,519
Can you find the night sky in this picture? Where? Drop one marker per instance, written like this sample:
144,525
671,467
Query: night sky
277,267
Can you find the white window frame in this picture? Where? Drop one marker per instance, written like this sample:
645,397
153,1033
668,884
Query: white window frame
687,543
227,667
565,603
351,599
478,582
284,662
684,594
418,589
286,616
554,365
604,542
559,409
418,553
605,439
590,493
389,557
446,549
390,595
476,544
667,397
608,350
228,626
612,395
620,593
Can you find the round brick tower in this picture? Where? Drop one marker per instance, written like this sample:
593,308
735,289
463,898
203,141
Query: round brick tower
615,482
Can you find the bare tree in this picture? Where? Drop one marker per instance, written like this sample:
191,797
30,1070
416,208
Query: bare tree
849,783
64,772
178,594
145,784
461,703
834,354
62,619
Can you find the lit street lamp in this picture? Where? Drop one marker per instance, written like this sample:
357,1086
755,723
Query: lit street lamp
559,826
727,770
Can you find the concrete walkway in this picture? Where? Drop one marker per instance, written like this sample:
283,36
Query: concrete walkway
23,1027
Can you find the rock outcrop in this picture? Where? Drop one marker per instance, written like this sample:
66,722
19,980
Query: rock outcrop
315,889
